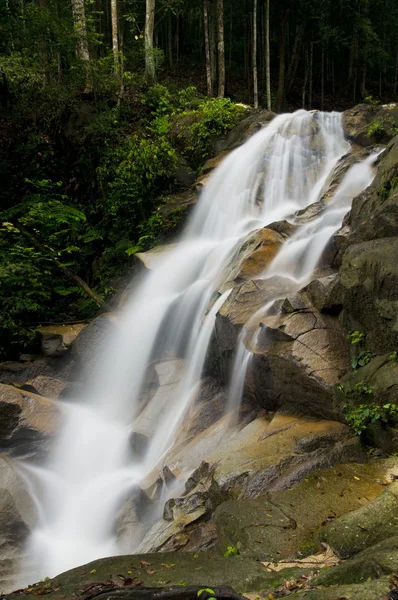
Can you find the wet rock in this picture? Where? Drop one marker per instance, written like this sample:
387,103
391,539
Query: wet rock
214,162
336,177
252,257
325,294
369,278
206,409
245,301
149,260
28,421
85,349
56,339
133,518
169,374
17,516
246,128
299,359
374,213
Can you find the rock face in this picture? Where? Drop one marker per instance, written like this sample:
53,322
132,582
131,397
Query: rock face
303,359
358,121
369,277
252,257
93,337
27,421
17,515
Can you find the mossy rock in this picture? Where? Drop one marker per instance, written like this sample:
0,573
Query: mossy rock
370,590
358,530
281,525
165,569
373,562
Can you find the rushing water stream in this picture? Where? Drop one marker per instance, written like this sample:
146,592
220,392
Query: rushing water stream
281,169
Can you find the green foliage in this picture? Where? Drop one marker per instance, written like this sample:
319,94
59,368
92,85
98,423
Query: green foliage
361,360
360,417
232,551
359,389
394,356
388,188
356,337
158,99
212,118
372,101
375,130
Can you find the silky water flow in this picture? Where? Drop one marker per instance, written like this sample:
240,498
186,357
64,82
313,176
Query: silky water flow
279,171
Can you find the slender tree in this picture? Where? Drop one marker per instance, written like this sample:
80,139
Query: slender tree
267,57
149,53
79,18
209,77
115,32
254,54
221,49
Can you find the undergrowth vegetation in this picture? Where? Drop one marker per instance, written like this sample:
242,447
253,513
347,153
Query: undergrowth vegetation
83,183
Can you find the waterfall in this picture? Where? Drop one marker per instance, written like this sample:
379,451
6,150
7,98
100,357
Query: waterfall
280,170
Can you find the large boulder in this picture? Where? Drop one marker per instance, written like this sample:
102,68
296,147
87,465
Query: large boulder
299,359
17,516
367,124
252,257
245,301
28,421
56,339
374,213
258,119
369,277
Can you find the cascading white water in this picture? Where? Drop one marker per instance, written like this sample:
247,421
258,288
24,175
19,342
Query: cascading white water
280,170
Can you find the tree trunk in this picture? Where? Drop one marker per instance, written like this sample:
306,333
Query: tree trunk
255,79
311,75
209,77
170,41
293,65
306,69
149,54
280,95
79,19
322,76
115,33
220,48
267,57
213,46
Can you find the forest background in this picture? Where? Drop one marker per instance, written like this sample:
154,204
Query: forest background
109,108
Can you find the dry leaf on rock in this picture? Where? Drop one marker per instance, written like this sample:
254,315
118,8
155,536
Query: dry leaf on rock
315,561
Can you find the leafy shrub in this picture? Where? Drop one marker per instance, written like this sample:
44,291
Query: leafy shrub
213,117
362,416
361,360
158,99
356,337
375,129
